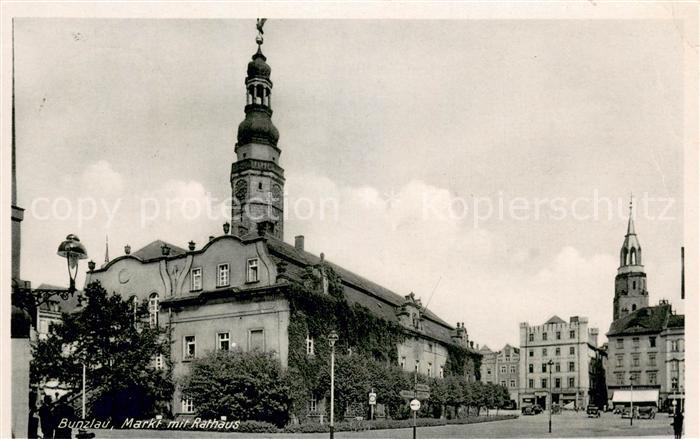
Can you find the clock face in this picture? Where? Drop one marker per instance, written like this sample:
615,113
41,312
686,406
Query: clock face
241,190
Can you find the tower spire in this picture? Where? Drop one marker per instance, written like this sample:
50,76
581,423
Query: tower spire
106,249
630,221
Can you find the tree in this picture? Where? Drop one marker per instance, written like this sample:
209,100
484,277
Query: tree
109,336
248,386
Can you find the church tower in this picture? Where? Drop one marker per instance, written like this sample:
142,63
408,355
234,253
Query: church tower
257,181
631,281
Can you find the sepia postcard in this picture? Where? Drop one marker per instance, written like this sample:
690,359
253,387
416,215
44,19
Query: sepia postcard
374,220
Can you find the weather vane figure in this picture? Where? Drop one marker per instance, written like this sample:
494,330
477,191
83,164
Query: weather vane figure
259,25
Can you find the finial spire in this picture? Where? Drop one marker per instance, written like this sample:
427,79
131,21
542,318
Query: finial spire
630,221
259,38
106,249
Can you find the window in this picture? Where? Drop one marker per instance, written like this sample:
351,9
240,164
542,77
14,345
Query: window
651,377
313,404
187,405
256,339
635,360
159,362
503,369
675,345
442,371
544,367
558,335
619,360
674,384
512,369
531,337
223,341
544,336
544,352
196,279
531,353
253,270
544,383
531,368
222,278
557,382
571,366
572,350
531,383
488,371
557,367
190,347
572,334
620,343
620,378
512,383
634,284
652,342
635,342
403,362
430,370
503,383
557,352
652,359
153,310
572,382
309,345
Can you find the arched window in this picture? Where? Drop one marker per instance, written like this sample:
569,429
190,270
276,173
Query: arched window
153,309
634,307
623,257
633,256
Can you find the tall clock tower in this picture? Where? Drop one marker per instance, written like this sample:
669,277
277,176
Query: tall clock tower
257,180
631,281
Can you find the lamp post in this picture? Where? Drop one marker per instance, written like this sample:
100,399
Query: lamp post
632,377
550,363
332,339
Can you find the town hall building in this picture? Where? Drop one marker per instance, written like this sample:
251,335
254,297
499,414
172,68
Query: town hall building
231,291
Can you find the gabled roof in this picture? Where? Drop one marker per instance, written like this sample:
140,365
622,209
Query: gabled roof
554,320
358,290
651,319
154,250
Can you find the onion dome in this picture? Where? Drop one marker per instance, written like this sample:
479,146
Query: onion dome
257,127
258,67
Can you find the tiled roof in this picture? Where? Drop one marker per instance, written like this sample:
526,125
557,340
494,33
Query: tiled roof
651,319
379,300
153,250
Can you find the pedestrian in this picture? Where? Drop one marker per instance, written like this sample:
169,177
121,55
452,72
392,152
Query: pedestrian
63,412
678,424
46,418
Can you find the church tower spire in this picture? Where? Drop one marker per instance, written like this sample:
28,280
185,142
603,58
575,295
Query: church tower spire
257,181
630,283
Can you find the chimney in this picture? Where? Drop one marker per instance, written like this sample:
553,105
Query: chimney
299,242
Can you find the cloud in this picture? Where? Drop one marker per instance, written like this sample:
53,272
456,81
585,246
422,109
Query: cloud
101,178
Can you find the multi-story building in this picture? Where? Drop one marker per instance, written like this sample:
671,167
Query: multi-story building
502,367
645,343
232,291
572,349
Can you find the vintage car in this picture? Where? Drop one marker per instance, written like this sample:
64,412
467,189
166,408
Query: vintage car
592,411
527,410
646,413
537,408
626,413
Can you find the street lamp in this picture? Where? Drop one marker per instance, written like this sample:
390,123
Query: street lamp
550,363
632,378
332,339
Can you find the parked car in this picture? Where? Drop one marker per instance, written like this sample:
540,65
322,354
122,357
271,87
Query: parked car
646,412
626,413
528,410
537,408
592,411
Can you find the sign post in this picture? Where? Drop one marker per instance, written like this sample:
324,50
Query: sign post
372,403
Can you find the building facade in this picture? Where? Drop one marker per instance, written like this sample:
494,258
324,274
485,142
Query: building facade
646,347
502,367
572,349
232,291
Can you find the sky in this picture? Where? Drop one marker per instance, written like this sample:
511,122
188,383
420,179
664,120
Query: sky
485,165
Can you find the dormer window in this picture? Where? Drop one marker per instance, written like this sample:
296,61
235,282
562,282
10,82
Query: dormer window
252,272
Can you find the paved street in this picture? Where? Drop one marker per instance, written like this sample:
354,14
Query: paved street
565,425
